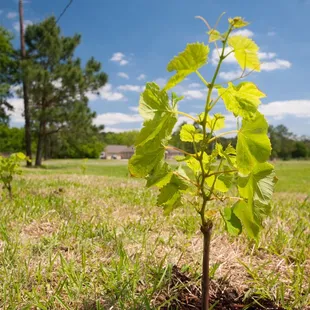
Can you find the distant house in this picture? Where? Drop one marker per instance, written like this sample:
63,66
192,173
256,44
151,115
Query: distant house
125,152
171,153
117,152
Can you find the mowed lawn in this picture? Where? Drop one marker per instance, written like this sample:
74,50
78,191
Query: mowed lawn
96,240
294,176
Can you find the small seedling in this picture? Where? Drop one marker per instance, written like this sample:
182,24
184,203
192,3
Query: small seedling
215,170
84,165
9,168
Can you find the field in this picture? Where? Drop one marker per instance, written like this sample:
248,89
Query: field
95,240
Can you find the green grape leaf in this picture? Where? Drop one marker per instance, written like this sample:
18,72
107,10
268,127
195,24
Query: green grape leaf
145,159
194,165
175,99
246,52
222,183
245,214
229,154
214,35
253,144
170,195
160,175
237,22
259,184
191,59
243,99
232,223
189,133
159,116
153,101
181,158
216,122
257,188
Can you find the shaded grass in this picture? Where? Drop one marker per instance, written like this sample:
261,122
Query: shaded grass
91,242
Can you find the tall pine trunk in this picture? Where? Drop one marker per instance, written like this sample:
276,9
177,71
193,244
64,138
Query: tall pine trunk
25,88
40,144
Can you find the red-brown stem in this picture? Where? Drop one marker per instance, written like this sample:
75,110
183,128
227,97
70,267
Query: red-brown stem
205,282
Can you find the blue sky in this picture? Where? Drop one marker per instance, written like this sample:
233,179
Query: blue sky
135,40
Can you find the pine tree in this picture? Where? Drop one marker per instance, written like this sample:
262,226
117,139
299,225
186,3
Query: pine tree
8,76
58,83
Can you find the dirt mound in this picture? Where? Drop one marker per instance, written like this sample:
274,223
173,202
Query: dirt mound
187,295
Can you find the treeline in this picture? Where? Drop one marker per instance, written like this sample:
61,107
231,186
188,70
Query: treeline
57,84
285,144
77,144
64,144
72,143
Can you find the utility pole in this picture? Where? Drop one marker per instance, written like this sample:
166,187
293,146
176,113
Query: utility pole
25,86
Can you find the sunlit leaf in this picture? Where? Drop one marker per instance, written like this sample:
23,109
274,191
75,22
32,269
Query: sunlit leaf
222,182
245,214
238,22
253,144
243,99
159,116
257,188
246,52
145,159
160,175
214,35
232,223
170,195
191,59
189,133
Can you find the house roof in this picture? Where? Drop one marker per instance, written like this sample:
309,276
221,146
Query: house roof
116,149
173,152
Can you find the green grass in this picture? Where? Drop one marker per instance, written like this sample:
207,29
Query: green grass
110,168
294,176
74,241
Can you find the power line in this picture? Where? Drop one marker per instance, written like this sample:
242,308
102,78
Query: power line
64,11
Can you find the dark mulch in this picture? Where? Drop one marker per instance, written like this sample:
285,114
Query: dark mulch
187,296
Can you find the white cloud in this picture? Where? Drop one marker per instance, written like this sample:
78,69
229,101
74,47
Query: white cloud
11,15
263,55
161,82
119,58
135,109
275,65
1,11
297,108
117,130
231,58
134,88
123,75
243,32
106,93
27,23
215,56
194,85
271,34
117,118
17,114
141,77
193,94
230,75
123,62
